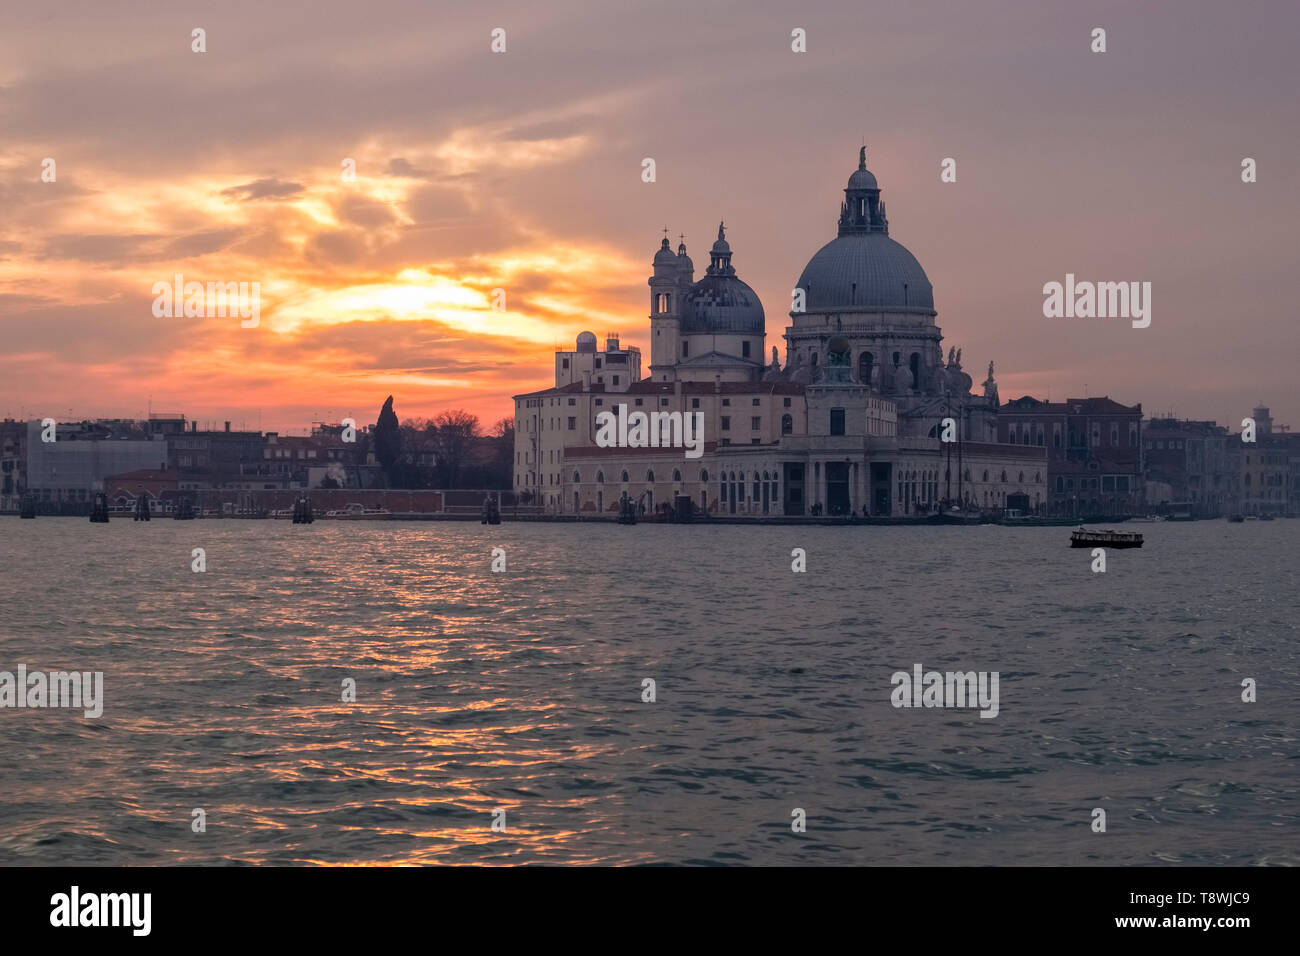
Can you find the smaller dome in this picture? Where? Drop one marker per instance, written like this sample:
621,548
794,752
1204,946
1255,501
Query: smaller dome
665,257
862,179
586,341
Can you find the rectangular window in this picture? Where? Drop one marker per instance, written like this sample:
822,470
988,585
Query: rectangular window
564,363
573,423
744,349
686,349
754,402
726,423
638,401
786,403
663,401
726,401
695,403
615,379
837,421
573,401
755,423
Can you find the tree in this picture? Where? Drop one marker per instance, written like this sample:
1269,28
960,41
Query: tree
453,436
388,441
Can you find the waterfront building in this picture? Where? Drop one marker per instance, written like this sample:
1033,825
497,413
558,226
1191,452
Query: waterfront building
1094,452
1192,462
853,421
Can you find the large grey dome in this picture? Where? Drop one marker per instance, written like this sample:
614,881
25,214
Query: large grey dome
865,271
722,303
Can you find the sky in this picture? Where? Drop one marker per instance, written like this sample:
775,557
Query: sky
522,171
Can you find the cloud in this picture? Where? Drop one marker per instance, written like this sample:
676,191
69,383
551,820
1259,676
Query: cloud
262,189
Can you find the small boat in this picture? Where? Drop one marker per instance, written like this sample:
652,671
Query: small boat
1236,519
1105,538
1265,517
1147,519
1252,517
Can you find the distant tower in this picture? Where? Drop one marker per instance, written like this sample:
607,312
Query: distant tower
1263,420
672,276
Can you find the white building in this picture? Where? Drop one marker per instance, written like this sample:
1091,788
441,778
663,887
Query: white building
852,423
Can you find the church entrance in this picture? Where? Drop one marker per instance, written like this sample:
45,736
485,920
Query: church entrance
792,474
837,488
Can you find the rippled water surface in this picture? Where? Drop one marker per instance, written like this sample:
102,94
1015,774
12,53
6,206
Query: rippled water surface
522,691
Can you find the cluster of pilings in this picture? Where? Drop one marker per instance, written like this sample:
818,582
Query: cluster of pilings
302,511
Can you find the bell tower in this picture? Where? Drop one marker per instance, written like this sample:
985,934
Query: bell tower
667,284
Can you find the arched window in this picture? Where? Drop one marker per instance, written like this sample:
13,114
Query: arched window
915,364
1022,477
625,477
897,358
787,425
1004,475
1038,477
677,475
986,474
650,475
1011,439
600,477
704,474
865,361
765,476
813,358
577,478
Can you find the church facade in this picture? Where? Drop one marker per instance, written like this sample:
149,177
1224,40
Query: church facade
865,416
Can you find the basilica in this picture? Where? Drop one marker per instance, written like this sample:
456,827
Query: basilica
865,416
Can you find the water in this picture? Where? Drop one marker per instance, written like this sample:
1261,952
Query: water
522,691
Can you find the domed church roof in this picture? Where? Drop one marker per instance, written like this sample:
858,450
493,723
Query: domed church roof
859,272
720,302
863,269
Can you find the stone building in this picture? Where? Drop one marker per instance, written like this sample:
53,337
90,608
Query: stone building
1094,452
1198,462
865,416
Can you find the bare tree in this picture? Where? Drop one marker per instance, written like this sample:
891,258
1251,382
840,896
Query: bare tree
454,435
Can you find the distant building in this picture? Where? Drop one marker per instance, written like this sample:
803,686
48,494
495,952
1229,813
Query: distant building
1094,451
852,423
73,467
1194,462
1266,468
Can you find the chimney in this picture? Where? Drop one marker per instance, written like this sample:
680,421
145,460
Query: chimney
194,427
